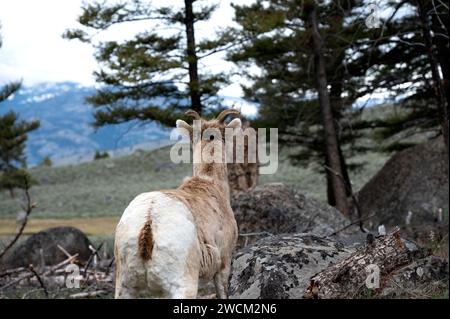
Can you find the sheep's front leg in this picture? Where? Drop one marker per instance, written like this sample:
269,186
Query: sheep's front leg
221,282
126,292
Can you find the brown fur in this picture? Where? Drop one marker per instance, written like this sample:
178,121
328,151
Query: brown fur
211,210
207,197
145,241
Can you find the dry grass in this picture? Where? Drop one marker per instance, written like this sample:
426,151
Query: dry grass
90,226
104,188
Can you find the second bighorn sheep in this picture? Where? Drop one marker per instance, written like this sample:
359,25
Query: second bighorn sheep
168,240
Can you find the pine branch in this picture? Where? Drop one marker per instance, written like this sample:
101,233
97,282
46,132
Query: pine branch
9,89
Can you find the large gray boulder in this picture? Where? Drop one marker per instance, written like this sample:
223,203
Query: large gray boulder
280,267
414,180
274,208
42,248
284,266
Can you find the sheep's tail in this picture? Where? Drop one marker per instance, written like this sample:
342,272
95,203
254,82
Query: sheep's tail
145,243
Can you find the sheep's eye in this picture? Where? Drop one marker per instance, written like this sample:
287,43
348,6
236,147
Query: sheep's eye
211,138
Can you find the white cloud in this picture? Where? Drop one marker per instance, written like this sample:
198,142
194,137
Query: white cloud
33,49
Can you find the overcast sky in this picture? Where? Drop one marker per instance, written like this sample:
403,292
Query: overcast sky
33,49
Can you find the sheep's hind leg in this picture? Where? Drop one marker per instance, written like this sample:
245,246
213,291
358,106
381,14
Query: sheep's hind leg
128,283
221,282
126,292
187,291
184,286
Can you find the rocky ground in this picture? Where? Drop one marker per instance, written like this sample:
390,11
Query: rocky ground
290,245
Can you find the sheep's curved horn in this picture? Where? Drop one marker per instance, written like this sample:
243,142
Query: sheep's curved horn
221,117
193,114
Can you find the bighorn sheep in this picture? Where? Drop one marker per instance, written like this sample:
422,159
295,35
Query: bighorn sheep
168,240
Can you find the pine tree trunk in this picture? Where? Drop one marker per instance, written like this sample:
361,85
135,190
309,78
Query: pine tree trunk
337,109
331,140
331,198
439,90
443,51
194,85
346,176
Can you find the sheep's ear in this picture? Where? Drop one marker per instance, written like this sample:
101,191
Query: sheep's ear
234,124
184,128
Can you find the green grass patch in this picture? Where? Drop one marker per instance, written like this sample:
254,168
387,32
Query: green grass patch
105,187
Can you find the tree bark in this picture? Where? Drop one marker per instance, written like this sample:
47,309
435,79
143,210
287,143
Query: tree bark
331,198
194,85
331,140
349,278
442,48
438,85
336,108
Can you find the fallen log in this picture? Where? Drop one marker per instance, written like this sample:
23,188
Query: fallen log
46,273
10,272
363,273
88,294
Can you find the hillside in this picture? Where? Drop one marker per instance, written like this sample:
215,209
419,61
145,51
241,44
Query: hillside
105,187
66,134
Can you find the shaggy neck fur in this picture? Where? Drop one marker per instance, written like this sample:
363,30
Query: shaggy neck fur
217,173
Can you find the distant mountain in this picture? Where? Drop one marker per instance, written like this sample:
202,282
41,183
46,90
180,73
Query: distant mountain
66,134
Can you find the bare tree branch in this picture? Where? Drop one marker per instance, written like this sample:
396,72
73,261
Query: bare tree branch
33,271
28,208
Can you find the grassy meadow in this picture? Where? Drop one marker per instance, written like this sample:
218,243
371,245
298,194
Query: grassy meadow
93,195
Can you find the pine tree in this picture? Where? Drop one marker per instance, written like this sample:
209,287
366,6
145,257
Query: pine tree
359,61
100,155
333,157
13,135
406,54
280,42
47,161
154,76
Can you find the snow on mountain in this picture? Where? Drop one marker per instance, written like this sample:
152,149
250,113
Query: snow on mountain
66,134
66,130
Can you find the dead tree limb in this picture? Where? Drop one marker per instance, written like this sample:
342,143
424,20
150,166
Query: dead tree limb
28,208
89,294
108,269
358,221
12,272
34,272
48,272
64,251
347,279
92,256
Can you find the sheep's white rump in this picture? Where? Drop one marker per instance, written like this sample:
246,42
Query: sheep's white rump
172,270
